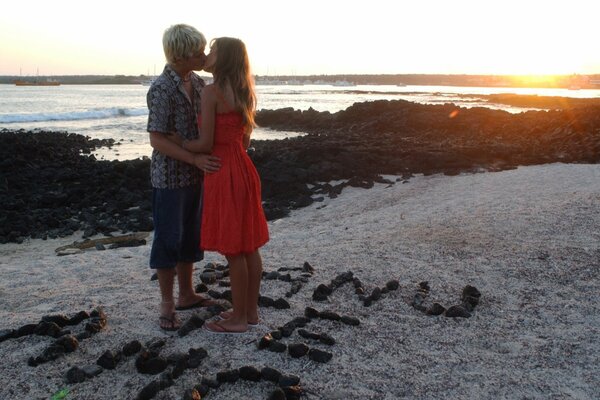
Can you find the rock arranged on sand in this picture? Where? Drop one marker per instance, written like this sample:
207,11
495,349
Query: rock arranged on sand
376,293
50,325
271,341
280,304
154,364
469,300
323,291
287,386
296,283
148,361
65,341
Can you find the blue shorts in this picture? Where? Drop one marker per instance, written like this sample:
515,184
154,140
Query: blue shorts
177,215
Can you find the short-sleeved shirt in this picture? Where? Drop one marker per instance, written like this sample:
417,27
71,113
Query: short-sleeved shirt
170,110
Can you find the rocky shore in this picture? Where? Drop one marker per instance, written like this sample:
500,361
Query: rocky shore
50,185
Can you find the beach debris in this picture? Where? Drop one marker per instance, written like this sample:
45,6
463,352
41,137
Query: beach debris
129,240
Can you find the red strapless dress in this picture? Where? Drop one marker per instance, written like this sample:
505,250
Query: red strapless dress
233,220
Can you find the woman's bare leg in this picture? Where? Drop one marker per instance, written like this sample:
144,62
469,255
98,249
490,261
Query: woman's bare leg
254,264
238,275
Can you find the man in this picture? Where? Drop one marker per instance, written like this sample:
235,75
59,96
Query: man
173,104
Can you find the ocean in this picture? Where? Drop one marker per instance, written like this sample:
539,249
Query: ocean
119,111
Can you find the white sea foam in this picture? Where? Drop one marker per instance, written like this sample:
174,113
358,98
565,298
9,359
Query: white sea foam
101,113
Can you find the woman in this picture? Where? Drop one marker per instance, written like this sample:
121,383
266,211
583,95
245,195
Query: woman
233,221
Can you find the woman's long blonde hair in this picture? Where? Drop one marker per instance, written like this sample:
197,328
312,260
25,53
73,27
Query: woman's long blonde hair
232,66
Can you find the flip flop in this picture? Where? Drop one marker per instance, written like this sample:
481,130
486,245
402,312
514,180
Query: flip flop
220,329
198,304
220,316
173,321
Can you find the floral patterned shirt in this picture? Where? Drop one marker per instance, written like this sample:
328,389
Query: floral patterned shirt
170,110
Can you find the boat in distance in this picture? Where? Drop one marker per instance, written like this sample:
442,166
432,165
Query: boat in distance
47,82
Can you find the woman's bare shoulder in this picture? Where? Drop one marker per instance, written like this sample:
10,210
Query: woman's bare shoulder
209,93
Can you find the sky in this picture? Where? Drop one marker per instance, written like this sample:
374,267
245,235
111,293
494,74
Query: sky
308,37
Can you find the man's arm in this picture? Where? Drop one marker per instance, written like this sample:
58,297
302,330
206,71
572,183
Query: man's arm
164,145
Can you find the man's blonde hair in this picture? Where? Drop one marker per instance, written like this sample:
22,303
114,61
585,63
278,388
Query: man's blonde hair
182,41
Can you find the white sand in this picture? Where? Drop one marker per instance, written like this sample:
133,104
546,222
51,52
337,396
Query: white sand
528,239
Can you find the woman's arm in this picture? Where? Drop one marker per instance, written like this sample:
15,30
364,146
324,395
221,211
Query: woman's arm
246,138
208,108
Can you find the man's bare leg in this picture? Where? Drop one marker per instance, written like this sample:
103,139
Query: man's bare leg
187,294
166,279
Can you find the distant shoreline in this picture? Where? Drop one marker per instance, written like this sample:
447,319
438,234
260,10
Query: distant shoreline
550,81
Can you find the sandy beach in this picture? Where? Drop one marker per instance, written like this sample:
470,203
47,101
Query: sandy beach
527,238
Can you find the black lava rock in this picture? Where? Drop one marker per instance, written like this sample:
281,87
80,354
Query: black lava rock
75,375
195,322
311,313
281,304
330,315
109,359
230,376
149,391
250,373
297,350
392,285
277,347
319,355
435,309
192,394
289,380
326,339
195,357
270,374
265,341
131,348
353,321
457,311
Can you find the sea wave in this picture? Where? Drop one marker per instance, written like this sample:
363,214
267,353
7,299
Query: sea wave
103,113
